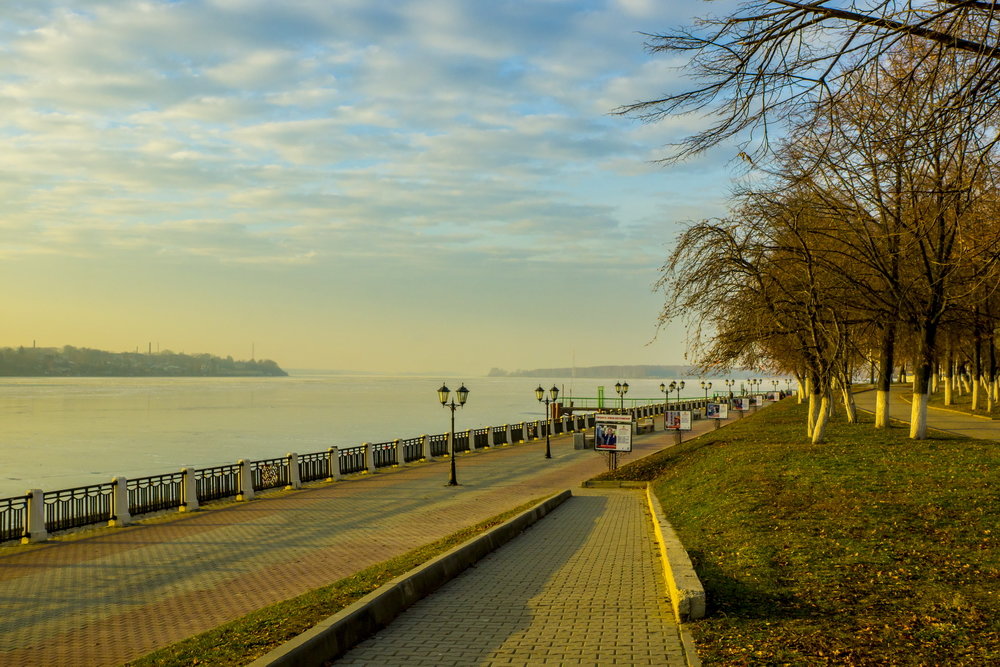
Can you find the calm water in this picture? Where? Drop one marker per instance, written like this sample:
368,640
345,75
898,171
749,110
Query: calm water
57,433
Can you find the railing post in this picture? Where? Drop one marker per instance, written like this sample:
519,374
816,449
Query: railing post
119,504
369,456
508,434
294,478
400,452
565,424
334,464
36,517
425,447
189,491
246,481
472,441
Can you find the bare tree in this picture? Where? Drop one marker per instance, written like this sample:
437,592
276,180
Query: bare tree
771,61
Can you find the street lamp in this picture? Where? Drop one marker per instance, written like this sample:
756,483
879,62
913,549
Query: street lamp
622,389
706,386
729,387
540,395
462,394
666,396
680,385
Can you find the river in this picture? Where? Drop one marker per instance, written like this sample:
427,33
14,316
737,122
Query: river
57,433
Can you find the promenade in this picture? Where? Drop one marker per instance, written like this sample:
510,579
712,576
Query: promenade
116,594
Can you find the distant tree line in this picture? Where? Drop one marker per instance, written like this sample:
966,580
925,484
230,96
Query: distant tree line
72,361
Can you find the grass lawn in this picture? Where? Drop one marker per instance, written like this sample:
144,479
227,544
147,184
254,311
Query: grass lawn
871,549
245,639
963,403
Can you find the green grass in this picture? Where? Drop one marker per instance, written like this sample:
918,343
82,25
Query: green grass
871,549
963,403
243,640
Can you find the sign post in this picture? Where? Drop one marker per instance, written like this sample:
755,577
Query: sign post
613,434
677,421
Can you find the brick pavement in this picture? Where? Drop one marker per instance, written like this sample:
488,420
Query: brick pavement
121,593
582,586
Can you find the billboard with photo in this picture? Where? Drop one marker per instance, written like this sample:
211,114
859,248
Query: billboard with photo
758,400
717,411
775,396
613,433
677,420
741,403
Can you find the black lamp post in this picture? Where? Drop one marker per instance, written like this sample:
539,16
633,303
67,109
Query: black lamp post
462,394
706,386
678,386
622,389
666,397
540,395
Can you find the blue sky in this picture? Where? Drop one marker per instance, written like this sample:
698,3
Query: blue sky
349,184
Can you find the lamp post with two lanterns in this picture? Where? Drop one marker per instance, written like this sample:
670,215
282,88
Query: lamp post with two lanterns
706,386
622,389
462,394
540,395
678,386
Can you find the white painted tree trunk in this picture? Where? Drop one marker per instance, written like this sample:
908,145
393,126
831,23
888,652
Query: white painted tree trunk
947,386
850,409
964,380
975,396
881,409
819,427
813,407
803,389
918,417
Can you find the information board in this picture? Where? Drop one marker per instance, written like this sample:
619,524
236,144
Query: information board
717,411
613,433
677,420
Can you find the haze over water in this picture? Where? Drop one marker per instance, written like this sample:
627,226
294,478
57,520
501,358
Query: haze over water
57,433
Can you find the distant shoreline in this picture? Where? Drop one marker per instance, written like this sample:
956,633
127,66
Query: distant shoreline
68,361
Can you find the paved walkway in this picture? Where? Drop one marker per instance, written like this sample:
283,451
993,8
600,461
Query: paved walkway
122,593
583,586
942,419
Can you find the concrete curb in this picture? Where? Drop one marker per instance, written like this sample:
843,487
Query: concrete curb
687,595
334,636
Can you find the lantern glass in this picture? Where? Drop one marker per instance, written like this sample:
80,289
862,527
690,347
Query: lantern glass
539,393
554,392
443,394
463,394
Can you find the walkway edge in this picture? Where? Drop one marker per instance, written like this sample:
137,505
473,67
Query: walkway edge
687,595
334,636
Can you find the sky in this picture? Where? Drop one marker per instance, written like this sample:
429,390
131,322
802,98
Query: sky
372,185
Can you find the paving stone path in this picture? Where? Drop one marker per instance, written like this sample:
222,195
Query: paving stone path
582,586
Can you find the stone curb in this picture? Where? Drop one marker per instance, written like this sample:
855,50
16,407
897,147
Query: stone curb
687,595
334,636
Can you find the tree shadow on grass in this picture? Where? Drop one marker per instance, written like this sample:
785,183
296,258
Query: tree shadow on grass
733,597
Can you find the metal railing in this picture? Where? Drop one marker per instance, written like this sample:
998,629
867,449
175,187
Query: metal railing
93,504
79,506
314,466
154,493
13,518
218,482
270,473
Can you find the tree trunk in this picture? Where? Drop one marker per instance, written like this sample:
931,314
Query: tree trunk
819,427
850,409
885,362
948,377
923,365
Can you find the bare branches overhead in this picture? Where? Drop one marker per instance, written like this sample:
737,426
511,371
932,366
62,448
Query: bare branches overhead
772,61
